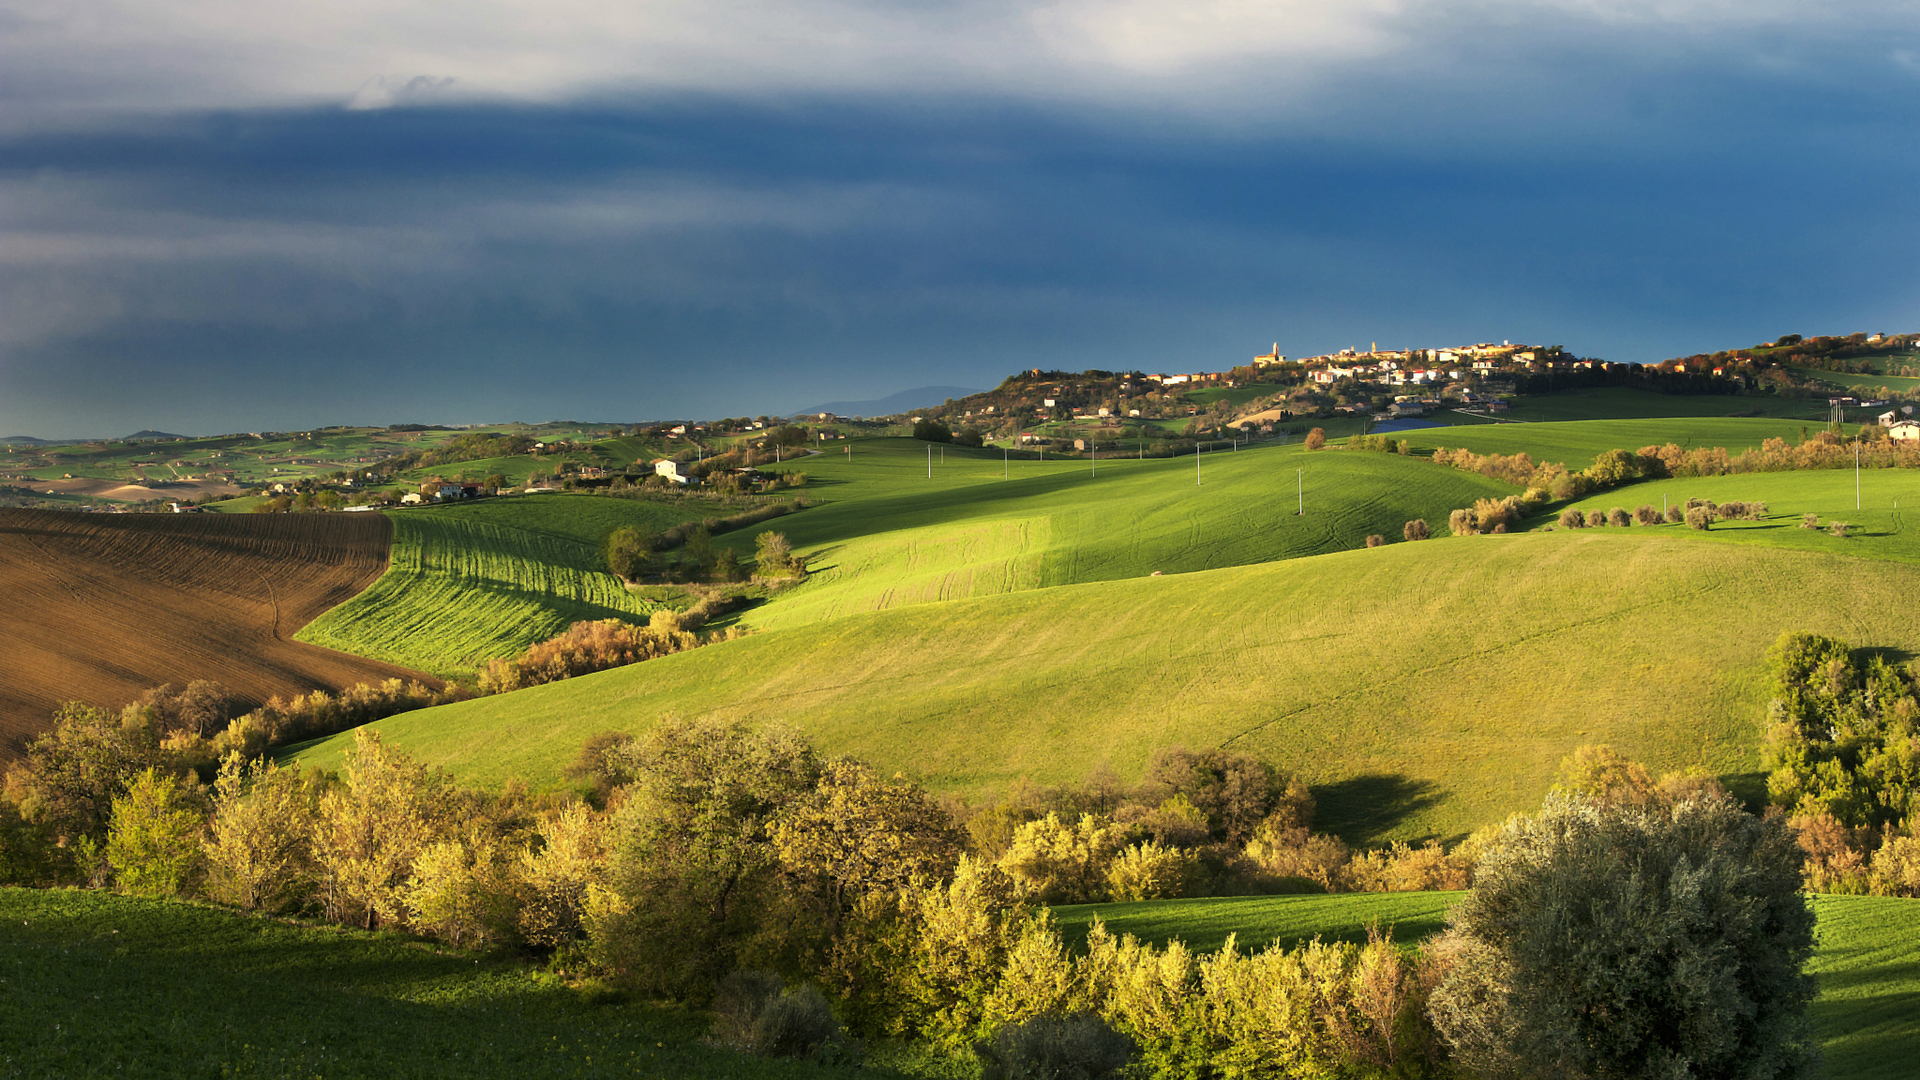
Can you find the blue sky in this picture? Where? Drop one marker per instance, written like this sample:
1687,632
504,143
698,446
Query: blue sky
218,216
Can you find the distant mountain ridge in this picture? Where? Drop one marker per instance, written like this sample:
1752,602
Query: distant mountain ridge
148,435
904,401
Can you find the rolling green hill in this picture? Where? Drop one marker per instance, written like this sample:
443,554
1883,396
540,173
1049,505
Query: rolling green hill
887,536
1878,529
1576,443
466,583
1424,688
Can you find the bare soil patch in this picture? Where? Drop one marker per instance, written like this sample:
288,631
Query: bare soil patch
99,607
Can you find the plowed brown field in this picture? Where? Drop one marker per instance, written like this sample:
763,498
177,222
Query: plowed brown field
98,607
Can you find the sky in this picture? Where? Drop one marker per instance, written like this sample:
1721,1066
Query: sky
223,216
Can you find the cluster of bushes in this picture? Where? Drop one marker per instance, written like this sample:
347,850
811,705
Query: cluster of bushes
1696,513
1824,450
1380,444
1494,515
1200,823
742,869
1842,750
587,647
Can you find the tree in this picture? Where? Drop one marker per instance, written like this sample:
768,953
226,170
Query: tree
856,833
371,830
927,429
775,557
1416,529
259,843
1608,942
1317,438
627,550
693,867
153,843
1572,519
74,772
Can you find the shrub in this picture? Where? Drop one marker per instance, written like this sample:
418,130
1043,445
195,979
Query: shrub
1619,518
1416,529
591,646
1077,1047
1462,523
1676,514
1596,518
1700,517
1609,941
1647,515
1572,519
755,1014
1151,871
1839,529
1375,540
1809,521
1317,438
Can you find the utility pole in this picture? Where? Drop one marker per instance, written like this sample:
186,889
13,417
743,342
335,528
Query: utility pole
1300,491
1196,464
929,461
1006,470
1856,472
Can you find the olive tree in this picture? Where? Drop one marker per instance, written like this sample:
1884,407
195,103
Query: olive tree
1606,942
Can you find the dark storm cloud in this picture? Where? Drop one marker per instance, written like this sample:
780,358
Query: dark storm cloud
1624,191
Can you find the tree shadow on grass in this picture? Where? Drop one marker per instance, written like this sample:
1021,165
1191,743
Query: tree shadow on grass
1364,809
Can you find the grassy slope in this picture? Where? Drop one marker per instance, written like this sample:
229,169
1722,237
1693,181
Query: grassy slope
1879,529
93,984
1425,688
1866,957
1577,443
888,536
470,582
1255,922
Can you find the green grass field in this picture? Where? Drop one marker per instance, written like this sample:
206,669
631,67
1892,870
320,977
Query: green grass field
887,536
98,985
1576,443
1254,922
1866,956
1878,528
93,984
1423,689
466,583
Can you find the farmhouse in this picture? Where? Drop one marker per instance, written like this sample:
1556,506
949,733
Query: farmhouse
1905,430
670,469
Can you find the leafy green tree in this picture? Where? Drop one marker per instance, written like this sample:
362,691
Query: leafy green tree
694,863
627,550
153,842
373,827
857,833
1843,734
927,429
774,556
259,841
75,771
1607,942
